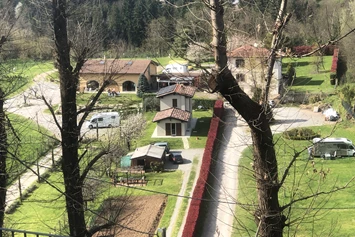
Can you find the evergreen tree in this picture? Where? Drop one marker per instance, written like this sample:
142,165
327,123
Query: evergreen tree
143,85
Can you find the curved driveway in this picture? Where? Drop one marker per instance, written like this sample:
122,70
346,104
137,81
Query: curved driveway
236,137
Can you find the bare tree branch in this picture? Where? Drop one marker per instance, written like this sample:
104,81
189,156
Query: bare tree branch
317,194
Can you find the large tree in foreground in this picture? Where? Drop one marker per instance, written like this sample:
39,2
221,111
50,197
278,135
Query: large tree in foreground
79,47
268,214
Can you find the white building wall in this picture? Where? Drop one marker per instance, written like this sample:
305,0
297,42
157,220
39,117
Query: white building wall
166,102
161,126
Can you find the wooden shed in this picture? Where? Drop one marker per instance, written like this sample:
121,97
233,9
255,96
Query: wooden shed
142,156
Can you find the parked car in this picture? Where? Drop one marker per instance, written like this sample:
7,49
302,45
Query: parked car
163,144
176,158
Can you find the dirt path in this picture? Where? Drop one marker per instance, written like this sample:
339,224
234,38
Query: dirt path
236,137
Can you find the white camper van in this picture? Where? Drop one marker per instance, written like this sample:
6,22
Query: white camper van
102,120
332,147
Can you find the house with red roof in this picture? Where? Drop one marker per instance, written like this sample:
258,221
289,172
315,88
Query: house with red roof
122,74
248,64
175,115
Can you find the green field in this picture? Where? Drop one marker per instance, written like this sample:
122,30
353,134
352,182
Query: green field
44,210
319,216
34,143
309,77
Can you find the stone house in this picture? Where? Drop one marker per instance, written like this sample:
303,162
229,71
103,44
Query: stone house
249,64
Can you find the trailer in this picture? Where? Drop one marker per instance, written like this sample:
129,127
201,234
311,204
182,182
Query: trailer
102,120
332,147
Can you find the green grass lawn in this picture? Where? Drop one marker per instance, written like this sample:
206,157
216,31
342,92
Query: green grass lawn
198,137
26,70
324,214
44,209
199,133
124,98
34,144
188,192
308,77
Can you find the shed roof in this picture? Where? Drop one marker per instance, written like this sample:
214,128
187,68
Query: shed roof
116,66
175,113
248,51
149,150
179,89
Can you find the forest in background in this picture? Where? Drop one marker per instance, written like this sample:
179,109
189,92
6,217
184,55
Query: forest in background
156,28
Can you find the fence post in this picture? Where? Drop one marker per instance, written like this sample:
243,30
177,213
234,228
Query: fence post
53,156
38,174
19,188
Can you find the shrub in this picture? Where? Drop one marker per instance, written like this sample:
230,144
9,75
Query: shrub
335,61
218,109
157,166
151,102
315,98
143,85
195,206
302,49
300,134
204,103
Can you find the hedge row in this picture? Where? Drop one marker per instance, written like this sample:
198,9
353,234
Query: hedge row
195,205
335,61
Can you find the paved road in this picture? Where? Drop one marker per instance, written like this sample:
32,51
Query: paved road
236,137
33,109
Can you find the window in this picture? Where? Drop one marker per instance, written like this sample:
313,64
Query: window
174,103
240,77
173,129
239,62
100,119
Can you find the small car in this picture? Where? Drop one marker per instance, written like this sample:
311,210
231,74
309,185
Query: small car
176,158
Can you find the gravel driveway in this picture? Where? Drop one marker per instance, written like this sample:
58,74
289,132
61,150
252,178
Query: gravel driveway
236,137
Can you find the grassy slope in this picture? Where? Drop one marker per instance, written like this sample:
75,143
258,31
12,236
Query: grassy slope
32,146
330,212
308,79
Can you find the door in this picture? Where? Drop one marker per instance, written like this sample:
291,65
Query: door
173,129
178,129
100,122
167,129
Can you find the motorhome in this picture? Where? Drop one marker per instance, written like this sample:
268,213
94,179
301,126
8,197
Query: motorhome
332,147
102,120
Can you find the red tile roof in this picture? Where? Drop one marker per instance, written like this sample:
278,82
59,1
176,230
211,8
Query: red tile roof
248,51
117,66
172,113
179,89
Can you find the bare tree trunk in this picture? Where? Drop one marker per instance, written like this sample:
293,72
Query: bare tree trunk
3,155
69,131
268,215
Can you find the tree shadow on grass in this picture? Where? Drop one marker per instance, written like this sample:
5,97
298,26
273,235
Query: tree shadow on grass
306,81
300,64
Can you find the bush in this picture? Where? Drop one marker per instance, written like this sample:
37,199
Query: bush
198,193
151,102
291,73
315,98
206,104
302,49
300,134
157,166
